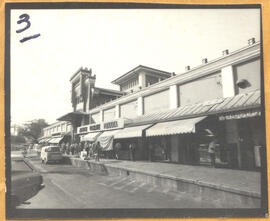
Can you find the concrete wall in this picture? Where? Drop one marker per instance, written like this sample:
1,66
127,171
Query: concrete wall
95,118
202,89
129,110
157,102
251,72
109,114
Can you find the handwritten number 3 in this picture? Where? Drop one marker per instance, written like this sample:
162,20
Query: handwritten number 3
24,18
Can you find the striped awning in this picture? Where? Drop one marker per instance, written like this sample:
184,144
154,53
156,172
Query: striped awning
106,139
131,132
174,127
55,140
90,136
219,106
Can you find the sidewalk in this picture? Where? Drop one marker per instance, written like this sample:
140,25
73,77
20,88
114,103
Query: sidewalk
241,182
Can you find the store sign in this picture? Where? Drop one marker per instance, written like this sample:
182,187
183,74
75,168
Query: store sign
240,115
116,124
83,129
94,127
110,125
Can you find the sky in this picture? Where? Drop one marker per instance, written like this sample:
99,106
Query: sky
112,42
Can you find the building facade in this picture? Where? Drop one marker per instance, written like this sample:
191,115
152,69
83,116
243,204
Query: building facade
169,117
56,133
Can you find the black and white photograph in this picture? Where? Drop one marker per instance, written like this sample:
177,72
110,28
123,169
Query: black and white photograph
133,110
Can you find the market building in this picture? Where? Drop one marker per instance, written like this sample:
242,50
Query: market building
56,133
171,118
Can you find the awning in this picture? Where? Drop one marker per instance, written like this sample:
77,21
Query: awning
174,127
130,132
90,136
106,139
55,140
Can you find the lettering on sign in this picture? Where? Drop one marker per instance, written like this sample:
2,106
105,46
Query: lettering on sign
95,127
109,125
83,129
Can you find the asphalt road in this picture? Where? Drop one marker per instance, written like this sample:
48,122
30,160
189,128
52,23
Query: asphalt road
70,187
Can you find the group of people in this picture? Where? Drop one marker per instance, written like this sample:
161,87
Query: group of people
76,148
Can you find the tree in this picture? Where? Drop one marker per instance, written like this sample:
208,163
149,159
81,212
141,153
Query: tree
17,139
33,130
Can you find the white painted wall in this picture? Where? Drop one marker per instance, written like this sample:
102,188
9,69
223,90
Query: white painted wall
227,81
173,97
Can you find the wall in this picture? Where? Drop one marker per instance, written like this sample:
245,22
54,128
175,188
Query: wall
251,71
129,110
203,89
95,118
109,114
157,102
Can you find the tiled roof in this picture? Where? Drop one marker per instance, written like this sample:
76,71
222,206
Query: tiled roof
216,106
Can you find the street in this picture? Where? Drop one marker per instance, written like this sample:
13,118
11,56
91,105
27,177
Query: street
71,187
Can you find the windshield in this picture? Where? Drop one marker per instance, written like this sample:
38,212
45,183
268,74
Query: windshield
53,149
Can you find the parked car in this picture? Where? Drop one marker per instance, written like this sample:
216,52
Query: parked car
51,154
25,182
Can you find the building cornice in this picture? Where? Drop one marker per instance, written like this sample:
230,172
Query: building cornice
122,78
233,58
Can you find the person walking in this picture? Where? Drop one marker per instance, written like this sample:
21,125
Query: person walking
212,151
97,150
86,145
117,148
132,151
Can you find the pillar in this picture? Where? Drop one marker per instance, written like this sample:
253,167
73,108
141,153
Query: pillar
173,97
227,77
117,111
142,80
101,116
140,106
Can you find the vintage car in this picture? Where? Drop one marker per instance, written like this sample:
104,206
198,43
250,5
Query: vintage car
25,182
51,154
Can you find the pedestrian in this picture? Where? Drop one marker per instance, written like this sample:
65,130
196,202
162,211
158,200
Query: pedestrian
212,150
117,148
79,148
86,145
63,147
67,147
97,150
132,151
72,147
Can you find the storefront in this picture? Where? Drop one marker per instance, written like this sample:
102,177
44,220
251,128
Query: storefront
244,138
174,141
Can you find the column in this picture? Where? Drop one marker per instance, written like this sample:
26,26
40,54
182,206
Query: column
101,116
140,106
173,97
227,77
142,80
117,111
